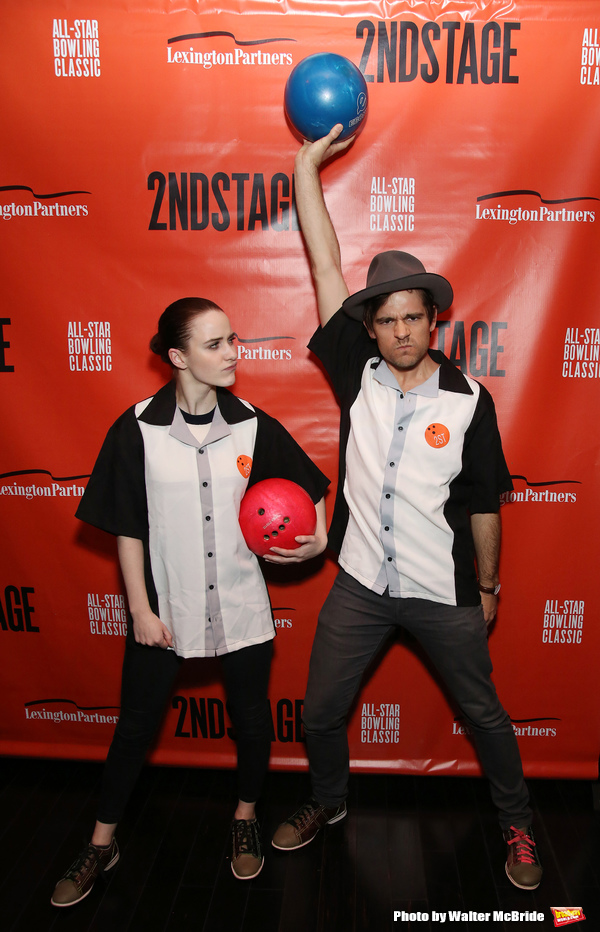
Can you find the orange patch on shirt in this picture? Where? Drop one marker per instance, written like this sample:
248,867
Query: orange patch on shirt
437,435
244,465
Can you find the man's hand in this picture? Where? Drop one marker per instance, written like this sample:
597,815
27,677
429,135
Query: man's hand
313,154
490,606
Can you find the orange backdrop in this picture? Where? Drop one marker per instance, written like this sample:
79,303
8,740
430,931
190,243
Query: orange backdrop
146,157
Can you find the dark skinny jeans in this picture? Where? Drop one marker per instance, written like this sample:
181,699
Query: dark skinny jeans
148,677
354,626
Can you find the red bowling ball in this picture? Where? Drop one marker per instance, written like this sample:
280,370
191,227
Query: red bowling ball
273,512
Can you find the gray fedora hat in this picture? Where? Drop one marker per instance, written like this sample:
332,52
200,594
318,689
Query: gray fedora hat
398,271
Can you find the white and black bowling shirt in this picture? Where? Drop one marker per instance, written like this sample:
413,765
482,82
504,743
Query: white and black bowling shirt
413,467
154,481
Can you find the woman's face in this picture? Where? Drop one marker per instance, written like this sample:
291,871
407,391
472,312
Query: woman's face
211,354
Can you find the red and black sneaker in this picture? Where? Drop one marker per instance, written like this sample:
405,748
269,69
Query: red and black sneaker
523,866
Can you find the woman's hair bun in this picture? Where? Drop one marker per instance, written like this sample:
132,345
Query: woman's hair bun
175,323
156,345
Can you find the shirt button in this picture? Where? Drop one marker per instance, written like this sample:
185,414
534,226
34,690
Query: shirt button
211,587
204,485
386,528
201,450
387,495
389,559
392,464
210,554
400,428
208,517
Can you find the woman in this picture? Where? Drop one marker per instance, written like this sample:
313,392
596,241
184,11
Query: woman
168,483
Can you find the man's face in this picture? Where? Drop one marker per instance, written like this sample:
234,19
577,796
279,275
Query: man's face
402,329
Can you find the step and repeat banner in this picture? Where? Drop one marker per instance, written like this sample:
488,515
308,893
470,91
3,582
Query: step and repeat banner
146,157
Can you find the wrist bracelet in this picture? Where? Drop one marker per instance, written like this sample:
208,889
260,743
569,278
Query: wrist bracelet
491,590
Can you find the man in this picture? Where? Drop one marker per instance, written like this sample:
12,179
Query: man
416,520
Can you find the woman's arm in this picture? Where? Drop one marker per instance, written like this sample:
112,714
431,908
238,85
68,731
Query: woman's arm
311,545
148,629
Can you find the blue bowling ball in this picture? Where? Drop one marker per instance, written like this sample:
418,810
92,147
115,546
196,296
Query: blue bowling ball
322,90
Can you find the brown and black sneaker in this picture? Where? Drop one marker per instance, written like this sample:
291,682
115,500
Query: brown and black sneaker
83,873
523,866
246,855
305,824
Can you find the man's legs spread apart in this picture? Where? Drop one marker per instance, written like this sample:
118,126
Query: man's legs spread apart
456,640
353,626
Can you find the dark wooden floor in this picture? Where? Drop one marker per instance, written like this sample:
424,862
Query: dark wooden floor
412,844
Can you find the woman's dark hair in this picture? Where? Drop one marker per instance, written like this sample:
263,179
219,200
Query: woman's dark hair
174,325
373,305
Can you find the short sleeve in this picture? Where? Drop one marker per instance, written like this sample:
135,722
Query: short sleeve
344,347
115,497
278,456
485,465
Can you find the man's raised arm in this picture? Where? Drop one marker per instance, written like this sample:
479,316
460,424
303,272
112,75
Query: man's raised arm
319,235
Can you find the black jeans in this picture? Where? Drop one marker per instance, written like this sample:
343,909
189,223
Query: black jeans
353,627
148,677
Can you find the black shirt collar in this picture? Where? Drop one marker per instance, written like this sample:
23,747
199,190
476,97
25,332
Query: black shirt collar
161,409
451,378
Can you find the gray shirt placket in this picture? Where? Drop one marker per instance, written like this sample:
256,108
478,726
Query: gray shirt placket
214,631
